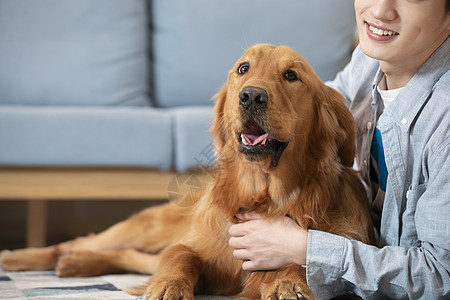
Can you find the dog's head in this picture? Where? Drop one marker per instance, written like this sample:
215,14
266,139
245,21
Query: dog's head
275,110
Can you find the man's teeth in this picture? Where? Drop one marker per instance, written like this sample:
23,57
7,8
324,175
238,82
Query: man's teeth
380,31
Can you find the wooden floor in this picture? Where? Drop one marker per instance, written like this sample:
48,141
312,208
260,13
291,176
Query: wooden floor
39,185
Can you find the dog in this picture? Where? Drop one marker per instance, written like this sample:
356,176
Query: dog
284,144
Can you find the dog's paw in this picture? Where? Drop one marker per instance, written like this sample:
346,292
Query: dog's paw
10,262
137,290
27,259
169,290
286,289
82,264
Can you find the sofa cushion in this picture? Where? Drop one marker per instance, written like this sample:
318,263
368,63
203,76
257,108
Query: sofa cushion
196,42
193,146
83,52
81,136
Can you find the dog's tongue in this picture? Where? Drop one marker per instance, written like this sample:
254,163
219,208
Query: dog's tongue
253,139
254,134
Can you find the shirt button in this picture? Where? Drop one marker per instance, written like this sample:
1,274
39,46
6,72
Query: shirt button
369,125
404,121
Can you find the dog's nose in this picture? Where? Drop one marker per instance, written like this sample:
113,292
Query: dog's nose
253,98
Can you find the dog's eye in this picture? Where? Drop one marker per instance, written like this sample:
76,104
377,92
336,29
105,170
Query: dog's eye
243,68
290,76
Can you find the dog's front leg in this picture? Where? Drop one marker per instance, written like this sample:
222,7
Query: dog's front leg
290,283
176,276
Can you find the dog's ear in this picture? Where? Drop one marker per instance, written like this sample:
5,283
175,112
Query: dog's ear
337,124
217,128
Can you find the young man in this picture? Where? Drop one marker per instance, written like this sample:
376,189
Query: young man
398,87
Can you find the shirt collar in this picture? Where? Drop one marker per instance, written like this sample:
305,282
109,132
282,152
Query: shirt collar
413,97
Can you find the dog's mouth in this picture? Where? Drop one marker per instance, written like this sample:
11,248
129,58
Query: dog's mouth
254,140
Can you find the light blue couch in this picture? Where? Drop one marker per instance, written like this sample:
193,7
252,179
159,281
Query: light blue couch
128,83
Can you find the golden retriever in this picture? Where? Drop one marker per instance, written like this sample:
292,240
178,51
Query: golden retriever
285,146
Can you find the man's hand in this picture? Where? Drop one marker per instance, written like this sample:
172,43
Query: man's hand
268,245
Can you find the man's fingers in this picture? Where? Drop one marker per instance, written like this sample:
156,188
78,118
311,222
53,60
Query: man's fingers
241,254
247,216
236,242
249,266
237,230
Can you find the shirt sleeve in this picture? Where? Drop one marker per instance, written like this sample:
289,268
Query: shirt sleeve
341,82
344,80
336,265
356,77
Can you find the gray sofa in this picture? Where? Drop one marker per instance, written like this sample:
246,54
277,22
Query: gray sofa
128,83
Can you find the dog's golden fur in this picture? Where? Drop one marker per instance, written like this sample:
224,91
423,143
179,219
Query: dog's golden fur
186,249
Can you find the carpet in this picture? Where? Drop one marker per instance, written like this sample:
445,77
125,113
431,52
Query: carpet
46,285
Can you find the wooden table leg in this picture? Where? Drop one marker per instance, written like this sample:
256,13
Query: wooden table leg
37,223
